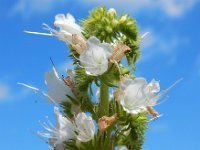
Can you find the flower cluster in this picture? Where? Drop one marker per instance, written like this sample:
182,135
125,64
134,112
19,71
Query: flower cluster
118,119
82,129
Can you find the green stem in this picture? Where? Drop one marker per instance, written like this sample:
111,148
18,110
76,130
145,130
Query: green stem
104,100
104,111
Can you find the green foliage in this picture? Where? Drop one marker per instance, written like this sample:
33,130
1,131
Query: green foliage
111,77
127,26
131,128
67,109
98,143
82,80
109,28
101,24
133,55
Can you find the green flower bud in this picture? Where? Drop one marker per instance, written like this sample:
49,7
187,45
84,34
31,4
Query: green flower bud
123,19
112,12
114,22
109,29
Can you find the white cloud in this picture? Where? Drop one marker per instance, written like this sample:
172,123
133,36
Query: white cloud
30,7
155,45
176,7
11,92
172,8
4,92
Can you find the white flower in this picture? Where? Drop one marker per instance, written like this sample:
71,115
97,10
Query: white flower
63,131
57,89
67,24
95,58
59,147
85,127
112,11
67,28
136,94
82,129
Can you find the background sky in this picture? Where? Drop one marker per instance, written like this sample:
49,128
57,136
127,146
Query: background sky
171,51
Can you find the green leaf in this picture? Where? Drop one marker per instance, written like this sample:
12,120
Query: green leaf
74,101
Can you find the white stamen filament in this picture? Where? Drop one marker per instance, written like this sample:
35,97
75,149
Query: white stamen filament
144,35
39,33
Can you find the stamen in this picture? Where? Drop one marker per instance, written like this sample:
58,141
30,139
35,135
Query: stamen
50,123
46,135
39,33
44,125
144,35
117,65
28,86
40,137
48,28
165,91
153,119
45,94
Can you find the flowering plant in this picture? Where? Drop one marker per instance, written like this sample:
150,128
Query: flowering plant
115,119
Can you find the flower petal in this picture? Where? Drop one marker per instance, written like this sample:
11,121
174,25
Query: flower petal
57,89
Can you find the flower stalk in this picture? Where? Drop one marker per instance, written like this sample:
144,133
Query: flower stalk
104,100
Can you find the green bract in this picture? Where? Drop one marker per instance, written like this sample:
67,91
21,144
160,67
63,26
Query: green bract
108,27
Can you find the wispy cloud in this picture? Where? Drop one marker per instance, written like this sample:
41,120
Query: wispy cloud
155,45
4,92
10,92
176,7
31,7
172,8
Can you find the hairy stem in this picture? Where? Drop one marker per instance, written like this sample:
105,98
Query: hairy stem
104,110
104,100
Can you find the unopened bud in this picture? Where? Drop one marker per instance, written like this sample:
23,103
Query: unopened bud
109,29
114,22
112,11
123,19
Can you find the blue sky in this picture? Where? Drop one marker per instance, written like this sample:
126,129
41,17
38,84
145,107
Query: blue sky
171,51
